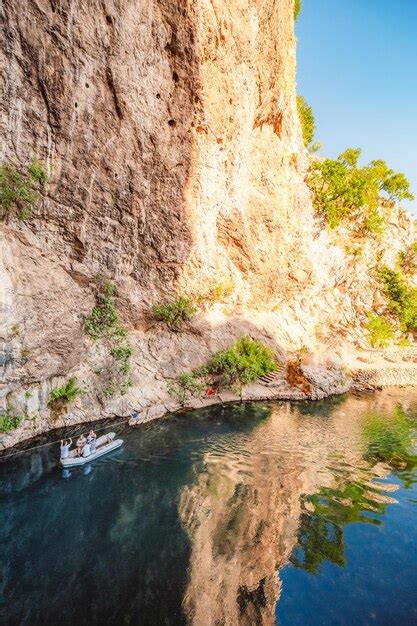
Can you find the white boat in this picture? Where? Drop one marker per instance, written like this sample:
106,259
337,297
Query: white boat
105,444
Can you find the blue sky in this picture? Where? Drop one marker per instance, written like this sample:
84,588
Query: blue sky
357,67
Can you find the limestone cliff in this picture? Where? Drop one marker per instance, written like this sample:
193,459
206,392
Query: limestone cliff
174,150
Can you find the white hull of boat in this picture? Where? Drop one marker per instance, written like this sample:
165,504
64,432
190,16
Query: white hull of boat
102,448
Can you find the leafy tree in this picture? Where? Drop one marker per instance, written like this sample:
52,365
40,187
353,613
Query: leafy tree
342,189
308,124
243,363
397,186
380,331
402,298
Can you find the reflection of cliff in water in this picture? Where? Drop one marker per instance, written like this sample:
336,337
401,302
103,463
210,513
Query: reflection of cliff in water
285,491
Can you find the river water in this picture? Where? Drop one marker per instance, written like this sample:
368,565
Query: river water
244,514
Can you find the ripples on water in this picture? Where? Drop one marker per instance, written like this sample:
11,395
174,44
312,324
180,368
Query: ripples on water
246,514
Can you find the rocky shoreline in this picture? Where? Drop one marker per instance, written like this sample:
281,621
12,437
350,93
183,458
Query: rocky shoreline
367,371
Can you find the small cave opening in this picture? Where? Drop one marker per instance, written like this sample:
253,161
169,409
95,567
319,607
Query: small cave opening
172,123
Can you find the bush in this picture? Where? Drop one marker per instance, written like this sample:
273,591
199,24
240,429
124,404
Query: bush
341,189
407,259
19,191
122,353
66,393
297,8
243,363
374,222
404,342
174,314
218,292
402,298
103,320
9,422
380,331
104,323
308,124
186,386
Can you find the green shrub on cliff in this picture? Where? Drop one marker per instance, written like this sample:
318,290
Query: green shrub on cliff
187,385
244,362
175,313
104,323
19,188
103,320
65,393
308,123
9,422
407,259
380,331
402,298
297,8
342,189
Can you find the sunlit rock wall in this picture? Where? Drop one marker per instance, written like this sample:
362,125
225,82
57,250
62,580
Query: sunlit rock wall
170,134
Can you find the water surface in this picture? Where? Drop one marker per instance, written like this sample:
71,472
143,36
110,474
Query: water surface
244,514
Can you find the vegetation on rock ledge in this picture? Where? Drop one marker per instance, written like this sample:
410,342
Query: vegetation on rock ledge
244,362
9,422
104,323
343,190
402,298
66,393
380,331
308,123
19,190
174,313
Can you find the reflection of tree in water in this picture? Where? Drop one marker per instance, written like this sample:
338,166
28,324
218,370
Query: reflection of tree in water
391,440
321,536
388,439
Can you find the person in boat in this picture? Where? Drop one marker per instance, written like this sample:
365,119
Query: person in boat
65,446
86,451
81,441
91,435
93,444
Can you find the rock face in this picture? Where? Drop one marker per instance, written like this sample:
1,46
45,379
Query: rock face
176,164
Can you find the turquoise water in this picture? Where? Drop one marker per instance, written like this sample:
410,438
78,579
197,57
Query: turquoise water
246,514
